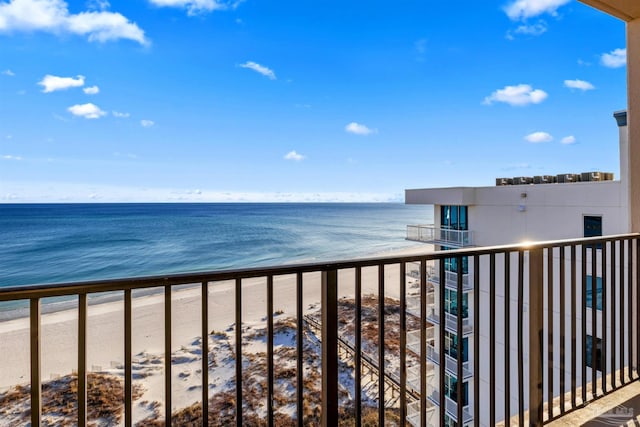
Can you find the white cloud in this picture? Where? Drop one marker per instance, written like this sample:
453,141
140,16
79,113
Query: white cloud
98,4
359,129
538,137
10,157
515,166
615,59
579,84
120,115
568,140
53,16
8,73
532,30
519,95
51,191
91,90
265,71
54,83
88,111
195,7
126,155
524,9
293,155
147,123
421,46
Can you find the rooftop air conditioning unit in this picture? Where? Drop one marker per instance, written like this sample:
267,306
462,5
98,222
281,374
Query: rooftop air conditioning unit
607,176
591,176
568,177
544,179
522,180
503,181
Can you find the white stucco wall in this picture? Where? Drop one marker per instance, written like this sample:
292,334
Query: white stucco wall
548,212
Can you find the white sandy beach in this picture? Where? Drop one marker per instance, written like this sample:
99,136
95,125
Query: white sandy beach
106,323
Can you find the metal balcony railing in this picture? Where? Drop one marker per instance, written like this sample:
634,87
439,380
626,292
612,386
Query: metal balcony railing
413,302
451,279
533,326
439,236
451,321
414,338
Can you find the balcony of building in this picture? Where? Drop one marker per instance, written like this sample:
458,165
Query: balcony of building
543,375
450,279
439,236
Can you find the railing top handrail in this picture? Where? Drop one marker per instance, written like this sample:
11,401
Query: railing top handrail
11,293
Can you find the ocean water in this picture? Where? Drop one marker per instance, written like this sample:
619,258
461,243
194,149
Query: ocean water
53,243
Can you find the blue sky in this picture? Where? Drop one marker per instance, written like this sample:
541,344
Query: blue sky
209,100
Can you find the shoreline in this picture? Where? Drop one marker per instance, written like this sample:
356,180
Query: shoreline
70,303
105,320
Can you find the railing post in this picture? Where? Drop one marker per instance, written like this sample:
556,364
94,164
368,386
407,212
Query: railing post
536,397
329,348
36,349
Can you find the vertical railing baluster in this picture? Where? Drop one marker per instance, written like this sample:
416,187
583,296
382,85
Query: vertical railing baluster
550,330
621,320
82,360
441,329
358,343
329,348
205,353
403,344
492,339
36,354
128,386
521,331
614,304
270,372
574,315
299,352
536,355
168,403
381,376
238,313
630,308
460,350
603,347
583,318
562,303
507,338
476,338
423,342
637,309
594,321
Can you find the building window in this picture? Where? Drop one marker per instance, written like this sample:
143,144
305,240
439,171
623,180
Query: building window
589,346
451,303
592,226
598,292
451,389
449,422
454,217
451,346
451,264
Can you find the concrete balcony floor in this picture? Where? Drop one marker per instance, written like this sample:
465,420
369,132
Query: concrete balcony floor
620,408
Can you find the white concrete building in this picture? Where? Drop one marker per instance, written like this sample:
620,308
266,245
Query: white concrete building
505,214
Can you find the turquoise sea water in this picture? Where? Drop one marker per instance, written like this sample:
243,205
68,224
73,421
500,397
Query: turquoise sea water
53,243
